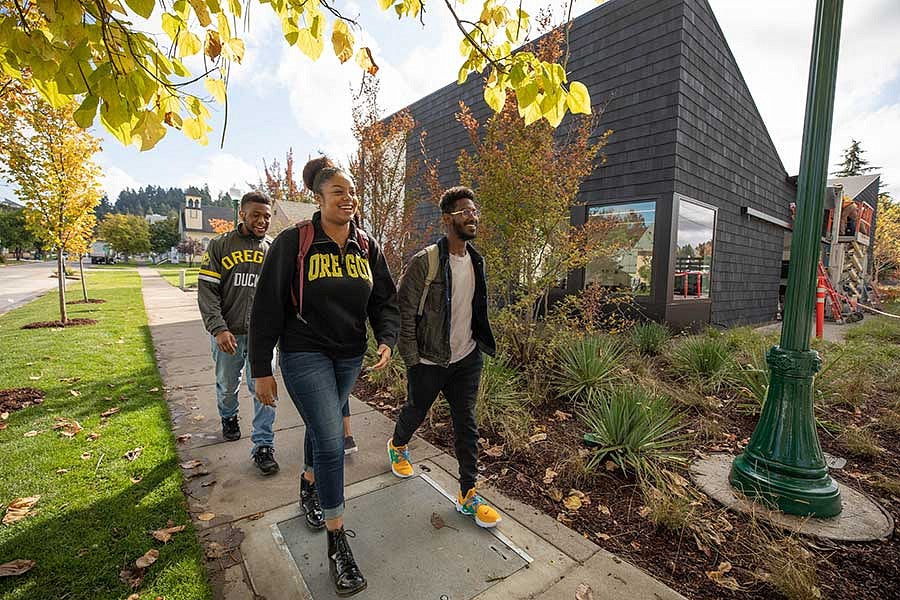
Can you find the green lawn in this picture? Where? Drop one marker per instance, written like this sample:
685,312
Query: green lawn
171,273
96,518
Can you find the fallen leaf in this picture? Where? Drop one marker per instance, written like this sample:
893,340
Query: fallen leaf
75,393
549,475
572,502
34,377
134,597
184,437
147,559
16,567
164,535
635,545
603,510
584,592
191,464
603,536
110,412
521,478
208,483
132,577
3,426
539,428
207,516
154,389
555,494
85,455
256,516
136,479
93,436
69,427
197,418
69,379
4,416
31,433
61,471
610,465
644,511
19,508
721,579
562,416
214,550
437,521
495,451
132,455
537,437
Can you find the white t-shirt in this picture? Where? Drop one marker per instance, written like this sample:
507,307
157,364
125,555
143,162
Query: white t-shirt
463,291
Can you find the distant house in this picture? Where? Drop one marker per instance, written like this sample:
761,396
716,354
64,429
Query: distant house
194,221
6,204
285,214
154,218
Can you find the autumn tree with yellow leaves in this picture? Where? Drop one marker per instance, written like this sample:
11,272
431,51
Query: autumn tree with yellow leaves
886,248
49,158
139,86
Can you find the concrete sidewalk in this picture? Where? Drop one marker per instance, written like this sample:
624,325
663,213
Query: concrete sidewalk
256,547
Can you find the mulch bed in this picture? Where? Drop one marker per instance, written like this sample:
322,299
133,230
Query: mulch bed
14,399
69,323
88,301
859,571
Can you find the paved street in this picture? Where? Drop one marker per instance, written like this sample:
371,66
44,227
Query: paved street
21,283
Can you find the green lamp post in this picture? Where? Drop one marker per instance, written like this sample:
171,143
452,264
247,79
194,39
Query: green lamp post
783,464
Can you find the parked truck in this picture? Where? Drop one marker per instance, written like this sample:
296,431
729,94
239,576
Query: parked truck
102,254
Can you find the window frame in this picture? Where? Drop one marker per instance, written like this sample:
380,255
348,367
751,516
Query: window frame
673,249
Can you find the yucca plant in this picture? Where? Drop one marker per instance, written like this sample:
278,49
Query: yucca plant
753,379
588,364
649,338
636,429
502,406
704,359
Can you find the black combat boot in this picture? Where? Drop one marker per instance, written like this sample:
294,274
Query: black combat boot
346,576
309,503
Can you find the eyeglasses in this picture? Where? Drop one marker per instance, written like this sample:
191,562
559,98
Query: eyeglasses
472,213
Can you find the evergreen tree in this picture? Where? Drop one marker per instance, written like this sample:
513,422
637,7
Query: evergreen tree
853,163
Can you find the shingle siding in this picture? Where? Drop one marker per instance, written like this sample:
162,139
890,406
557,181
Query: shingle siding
683,122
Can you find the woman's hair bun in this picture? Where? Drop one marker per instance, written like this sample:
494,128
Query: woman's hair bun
312,168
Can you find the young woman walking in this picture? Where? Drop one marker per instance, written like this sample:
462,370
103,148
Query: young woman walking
314,305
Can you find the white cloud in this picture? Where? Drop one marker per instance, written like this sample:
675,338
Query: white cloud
114,180
774,55
221,172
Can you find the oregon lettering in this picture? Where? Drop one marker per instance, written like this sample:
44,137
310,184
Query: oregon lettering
242,256
329,265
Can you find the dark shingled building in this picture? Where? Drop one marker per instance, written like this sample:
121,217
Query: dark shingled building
691,168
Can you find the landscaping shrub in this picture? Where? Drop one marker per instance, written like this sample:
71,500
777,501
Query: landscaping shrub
502,407
634,428
860,441
704,360
588,364
649,338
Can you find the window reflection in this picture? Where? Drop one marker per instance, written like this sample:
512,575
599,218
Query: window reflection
693,251
629,227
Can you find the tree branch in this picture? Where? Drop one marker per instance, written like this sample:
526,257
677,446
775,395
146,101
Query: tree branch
481,51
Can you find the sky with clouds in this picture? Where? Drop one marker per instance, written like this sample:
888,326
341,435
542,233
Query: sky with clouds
278,99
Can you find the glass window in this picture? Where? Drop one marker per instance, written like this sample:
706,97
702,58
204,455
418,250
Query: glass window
693,251
629,227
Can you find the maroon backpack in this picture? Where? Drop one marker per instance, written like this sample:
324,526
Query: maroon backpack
307,232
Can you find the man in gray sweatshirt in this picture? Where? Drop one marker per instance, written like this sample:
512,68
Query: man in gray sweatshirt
226,285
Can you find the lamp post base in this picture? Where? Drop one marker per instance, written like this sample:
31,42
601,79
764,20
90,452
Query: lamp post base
812,493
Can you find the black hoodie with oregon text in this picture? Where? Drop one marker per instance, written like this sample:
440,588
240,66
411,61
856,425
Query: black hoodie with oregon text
341,289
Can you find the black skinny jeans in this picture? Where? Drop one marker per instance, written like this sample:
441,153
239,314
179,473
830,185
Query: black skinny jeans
459,383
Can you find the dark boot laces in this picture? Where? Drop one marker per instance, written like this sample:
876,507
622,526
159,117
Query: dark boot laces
343,554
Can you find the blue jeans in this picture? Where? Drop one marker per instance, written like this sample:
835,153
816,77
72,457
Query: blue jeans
320,387
230,370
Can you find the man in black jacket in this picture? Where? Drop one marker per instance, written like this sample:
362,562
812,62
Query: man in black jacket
226,287
444,329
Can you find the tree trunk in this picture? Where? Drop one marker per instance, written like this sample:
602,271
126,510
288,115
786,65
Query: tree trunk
81,270
61,279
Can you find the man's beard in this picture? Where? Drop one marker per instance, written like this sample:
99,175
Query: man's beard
462,232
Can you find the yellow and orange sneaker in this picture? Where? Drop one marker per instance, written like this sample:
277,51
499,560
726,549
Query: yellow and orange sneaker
474,505
401,465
